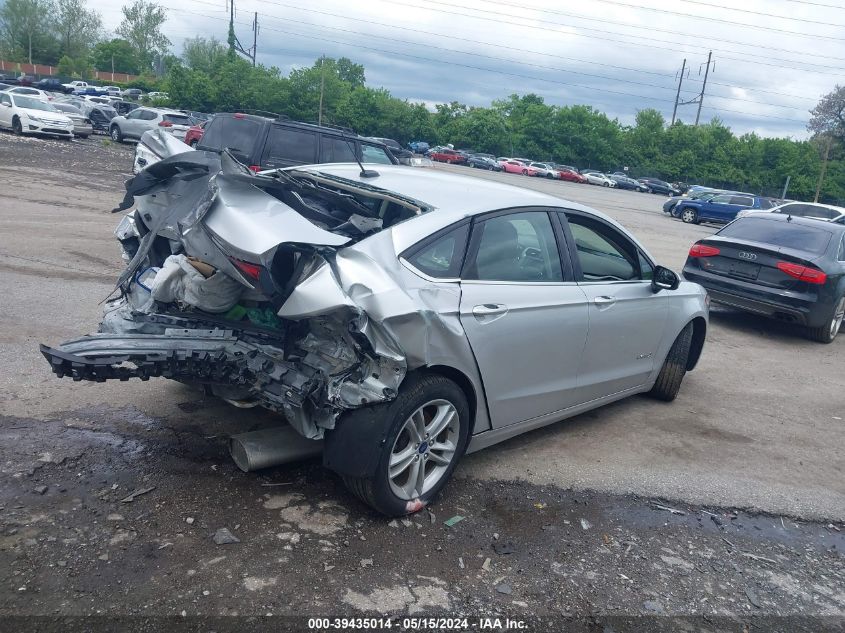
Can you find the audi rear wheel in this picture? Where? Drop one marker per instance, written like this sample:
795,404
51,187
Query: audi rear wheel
826,332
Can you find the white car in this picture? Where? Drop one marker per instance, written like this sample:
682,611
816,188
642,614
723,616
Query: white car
25,114
157,95
113,91
597,178
31,92
813,210
76,85
545,170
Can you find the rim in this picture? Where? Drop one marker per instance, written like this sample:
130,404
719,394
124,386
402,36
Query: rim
424,449
838,317
687,216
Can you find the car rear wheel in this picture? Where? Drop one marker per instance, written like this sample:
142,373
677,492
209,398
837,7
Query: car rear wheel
674,368
115,134
194,143
17,128
827,332
428,426
690,216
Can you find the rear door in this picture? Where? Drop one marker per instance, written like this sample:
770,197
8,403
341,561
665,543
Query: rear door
626,318
525,318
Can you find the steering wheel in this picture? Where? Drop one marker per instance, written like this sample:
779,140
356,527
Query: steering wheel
532,259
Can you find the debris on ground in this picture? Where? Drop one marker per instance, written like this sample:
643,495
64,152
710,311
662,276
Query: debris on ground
668,509
752,597
504,588
39,490
455,519
137,493
224,537
585,525
503,548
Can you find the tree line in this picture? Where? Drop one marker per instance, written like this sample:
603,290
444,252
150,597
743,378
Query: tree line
209,76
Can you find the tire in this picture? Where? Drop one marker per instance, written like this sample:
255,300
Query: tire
429,394
669,379
17,128
194,143
689,216
84,135
550,177
116,134
524,172
827,332
604,184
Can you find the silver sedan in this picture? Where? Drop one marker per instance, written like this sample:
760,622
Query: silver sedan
395,319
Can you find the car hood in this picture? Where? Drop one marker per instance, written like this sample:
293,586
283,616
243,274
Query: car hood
45,114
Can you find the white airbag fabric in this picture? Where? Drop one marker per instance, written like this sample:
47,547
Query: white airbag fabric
179,281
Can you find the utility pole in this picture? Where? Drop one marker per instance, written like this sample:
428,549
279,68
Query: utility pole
678,94
704,86
322,87
234,44
824,169
254,38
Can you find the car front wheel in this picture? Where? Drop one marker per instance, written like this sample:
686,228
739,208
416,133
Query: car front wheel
827,332
428,428
17,128
674,368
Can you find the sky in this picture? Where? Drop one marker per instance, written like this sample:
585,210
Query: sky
772,59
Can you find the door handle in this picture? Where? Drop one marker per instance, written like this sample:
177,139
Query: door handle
604,301
489,309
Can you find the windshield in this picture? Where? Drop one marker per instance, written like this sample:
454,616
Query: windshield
32,104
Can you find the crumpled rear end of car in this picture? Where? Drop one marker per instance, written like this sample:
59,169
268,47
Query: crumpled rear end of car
240,283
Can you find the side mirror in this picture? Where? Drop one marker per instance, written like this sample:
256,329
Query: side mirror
664,279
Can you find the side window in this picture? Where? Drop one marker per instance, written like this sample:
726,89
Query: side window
336,150
5,99
722,199
604,253
441,258
517,247
646,269
373,154
742,201
135,114
238,135
289,146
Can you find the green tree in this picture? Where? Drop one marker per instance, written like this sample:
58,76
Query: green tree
116,55
78,27
141,27
25,30
78,67
203,54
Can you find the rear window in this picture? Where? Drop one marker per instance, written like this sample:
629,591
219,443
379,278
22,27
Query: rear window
742,201
177,119
289,146
228,132
782,234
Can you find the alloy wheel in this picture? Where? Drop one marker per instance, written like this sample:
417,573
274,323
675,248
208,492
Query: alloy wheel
424,449
838,317
688,216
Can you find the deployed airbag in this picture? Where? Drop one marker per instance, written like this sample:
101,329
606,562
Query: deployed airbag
180,281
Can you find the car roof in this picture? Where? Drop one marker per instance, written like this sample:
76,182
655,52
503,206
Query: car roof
452,194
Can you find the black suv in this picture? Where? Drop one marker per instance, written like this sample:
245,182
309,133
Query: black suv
270,143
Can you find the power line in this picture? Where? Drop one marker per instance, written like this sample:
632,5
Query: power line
721,21
650,45
481,68
816,4
450,50
521,50
768,15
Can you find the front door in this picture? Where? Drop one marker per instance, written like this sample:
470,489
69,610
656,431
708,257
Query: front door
626,318
525,318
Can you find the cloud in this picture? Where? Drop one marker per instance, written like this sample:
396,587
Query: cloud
618,58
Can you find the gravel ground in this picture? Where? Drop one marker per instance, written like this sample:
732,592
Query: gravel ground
725,507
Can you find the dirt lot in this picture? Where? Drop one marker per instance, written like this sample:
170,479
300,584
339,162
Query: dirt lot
572,518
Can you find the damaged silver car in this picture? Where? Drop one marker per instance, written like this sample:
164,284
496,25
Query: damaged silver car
396,319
